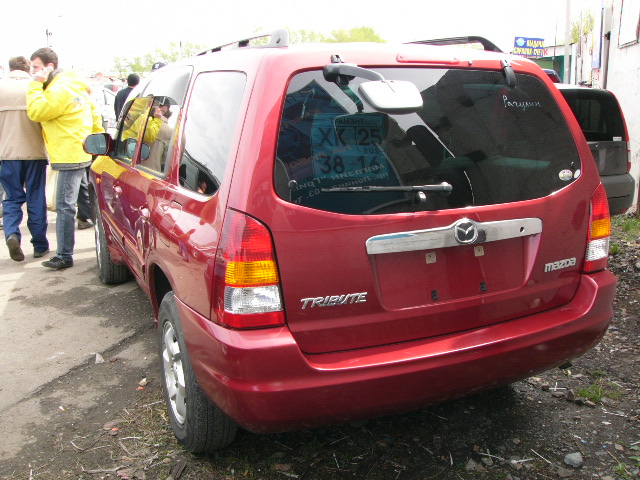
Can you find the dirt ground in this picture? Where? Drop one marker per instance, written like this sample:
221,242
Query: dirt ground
580,422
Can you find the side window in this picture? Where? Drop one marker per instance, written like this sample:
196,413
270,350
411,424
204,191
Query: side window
132,124
209,128
159,128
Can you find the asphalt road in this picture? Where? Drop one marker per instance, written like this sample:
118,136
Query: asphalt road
52,325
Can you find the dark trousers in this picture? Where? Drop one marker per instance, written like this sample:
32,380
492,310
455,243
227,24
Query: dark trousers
24,181
84,207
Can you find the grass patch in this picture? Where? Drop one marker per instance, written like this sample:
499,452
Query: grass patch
626,227
600,389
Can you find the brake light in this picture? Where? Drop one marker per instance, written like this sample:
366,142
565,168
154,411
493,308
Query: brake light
247,283
597,252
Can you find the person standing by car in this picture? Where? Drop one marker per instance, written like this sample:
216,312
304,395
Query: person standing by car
60,102
24,164
121,96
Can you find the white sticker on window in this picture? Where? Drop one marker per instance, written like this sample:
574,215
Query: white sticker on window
565,175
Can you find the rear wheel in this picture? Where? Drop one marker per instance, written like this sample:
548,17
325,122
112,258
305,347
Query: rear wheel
109,272
199,426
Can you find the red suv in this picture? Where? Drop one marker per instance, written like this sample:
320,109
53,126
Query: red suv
341,231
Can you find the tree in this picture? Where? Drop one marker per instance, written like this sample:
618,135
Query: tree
355,34
142,65
583,26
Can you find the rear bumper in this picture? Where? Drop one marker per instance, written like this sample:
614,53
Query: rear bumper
620,191
266,384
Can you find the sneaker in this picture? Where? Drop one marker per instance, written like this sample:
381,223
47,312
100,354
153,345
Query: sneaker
82,224
37,254
58,263
15,252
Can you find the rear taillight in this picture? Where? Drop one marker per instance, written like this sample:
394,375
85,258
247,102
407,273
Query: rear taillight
599,230
247,284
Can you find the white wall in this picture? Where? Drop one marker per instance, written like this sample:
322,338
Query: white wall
623,79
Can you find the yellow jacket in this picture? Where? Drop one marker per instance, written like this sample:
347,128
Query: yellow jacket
65,111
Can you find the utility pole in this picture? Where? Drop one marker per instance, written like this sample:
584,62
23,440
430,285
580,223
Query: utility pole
48,33
567,47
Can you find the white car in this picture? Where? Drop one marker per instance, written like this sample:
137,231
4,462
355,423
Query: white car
104,98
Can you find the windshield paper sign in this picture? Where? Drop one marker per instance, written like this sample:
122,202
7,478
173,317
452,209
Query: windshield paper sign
528,47
349,146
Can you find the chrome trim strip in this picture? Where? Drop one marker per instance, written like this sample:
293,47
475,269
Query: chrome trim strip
444,237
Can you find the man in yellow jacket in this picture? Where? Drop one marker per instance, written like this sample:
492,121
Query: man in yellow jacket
60,102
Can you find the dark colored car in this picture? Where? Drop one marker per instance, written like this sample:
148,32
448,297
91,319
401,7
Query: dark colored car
553,75
602,122
335,232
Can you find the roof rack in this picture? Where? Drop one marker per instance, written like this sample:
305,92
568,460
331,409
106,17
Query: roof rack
486,44
279,38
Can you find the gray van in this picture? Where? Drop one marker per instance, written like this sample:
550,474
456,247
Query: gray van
602,122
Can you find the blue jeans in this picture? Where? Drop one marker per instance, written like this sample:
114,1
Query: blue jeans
24,181
66,198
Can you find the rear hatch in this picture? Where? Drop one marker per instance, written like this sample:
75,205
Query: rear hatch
600,117
372,252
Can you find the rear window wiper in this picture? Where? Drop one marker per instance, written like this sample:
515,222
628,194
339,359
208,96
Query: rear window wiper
442,188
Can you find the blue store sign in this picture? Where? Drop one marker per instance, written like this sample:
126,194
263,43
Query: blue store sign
528,47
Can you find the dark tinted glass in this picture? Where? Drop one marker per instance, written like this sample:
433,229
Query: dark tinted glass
598,114
492,143
209,128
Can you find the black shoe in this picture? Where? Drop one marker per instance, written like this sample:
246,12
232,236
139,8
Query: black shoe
82,224
15,252
58,263
40,254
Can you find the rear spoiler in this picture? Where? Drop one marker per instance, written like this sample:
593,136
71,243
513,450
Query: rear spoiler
486,44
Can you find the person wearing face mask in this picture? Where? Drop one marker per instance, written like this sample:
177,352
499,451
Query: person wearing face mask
60,102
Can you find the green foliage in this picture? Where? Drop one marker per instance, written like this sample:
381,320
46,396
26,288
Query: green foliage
142,65
587,26
175,51
355,34
306,36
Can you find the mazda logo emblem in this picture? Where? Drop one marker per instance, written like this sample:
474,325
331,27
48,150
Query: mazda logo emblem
465,231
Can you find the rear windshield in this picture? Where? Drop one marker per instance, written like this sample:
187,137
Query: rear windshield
598,114
490,142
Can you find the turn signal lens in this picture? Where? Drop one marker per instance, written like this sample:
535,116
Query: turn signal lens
597,252
247,284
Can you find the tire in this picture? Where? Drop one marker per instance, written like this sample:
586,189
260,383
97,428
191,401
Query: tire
110,273
198,424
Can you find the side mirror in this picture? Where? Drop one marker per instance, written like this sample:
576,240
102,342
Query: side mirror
145,151
391,96
130,147
98,144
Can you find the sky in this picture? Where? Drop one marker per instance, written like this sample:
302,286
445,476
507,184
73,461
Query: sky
88,34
